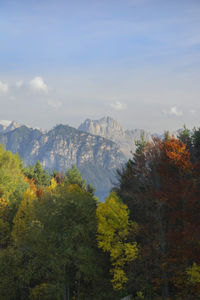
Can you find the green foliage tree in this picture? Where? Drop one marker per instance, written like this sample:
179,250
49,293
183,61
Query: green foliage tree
38,174
48,247
141,143
73,176
56,234
195,152
12,185
12,188
185,136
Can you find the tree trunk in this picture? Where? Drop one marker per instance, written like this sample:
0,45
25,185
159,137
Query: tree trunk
65,294
68,293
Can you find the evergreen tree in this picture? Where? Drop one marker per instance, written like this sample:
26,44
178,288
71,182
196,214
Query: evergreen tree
38,174
160,187
73,176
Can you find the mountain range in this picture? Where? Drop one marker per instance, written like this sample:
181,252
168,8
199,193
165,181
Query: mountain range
97,148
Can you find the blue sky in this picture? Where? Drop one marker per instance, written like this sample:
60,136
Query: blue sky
135,60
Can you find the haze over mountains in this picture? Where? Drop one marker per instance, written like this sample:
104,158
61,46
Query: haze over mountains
97,148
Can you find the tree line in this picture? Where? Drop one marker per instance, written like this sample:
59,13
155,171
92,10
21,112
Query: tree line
57,241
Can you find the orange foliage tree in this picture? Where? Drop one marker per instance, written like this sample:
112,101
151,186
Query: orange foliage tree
160,187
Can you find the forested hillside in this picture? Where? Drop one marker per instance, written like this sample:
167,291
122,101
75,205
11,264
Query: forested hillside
59,242
161,187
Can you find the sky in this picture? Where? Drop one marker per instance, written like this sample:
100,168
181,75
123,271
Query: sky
138,61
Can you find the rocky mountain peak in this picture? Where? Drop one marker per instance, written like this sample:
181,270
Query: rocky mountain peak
63,146
111,129
6,125
106,127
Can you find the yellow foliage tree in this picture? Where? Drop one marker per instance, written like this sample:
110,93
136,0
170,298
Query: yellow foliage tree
194,273
53,184
114,228
24,217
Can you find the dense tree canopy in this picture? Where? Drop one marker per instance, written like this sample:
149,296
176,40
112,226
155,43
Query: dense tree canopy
48,249
58,242
160,186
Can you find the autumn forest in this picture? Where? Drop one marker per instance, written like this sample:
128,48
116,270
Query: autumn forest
59,242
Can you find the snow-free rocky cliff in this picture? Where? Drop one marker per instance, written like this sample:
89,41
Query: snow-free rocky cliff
97,148
109,128
97,158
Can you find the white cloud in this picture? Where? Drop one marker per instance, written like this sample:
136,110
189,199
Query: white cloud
38,84
117,105
55,104
192,111
173,111
3,87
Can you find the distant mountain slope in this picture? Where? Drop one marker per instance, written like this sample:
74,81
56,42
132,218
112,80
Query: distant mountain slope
6,125
96,157
111,129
